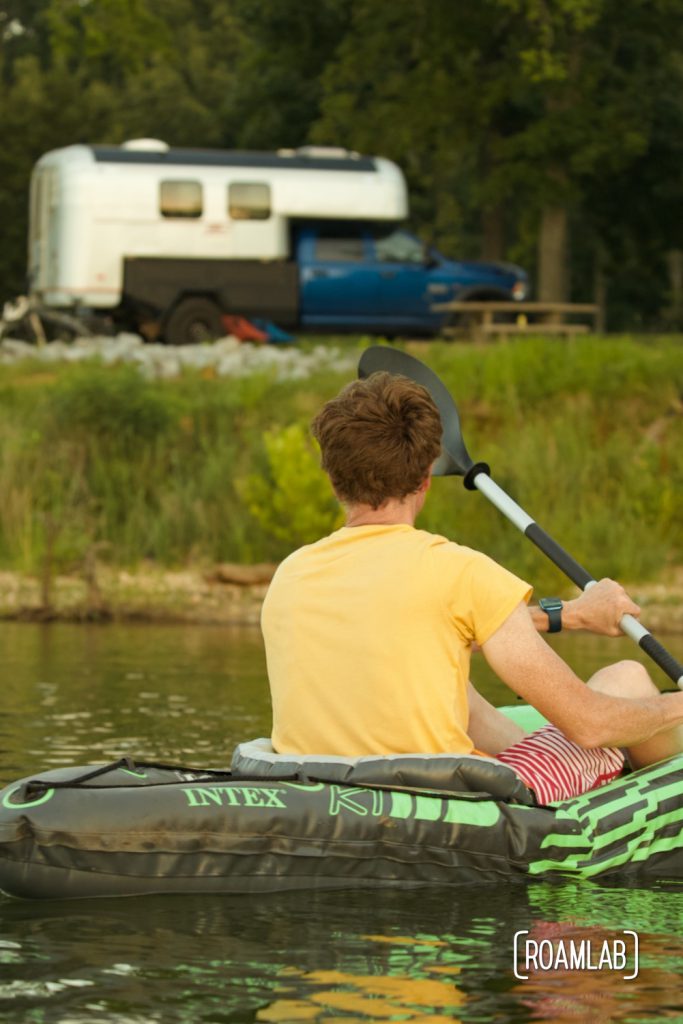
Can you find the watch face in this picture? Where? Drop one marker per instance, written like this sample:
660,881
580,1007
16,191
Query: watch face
552,606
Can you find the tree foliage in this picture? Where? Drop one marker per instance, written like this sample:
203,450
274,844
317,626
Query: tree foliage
507,116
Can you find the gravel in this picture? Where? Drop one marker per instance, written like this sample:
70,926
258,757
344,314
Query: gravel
226,358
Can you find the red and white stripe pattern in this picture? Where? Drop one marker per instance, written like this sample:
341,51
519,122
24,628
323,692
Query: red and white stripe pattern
556,768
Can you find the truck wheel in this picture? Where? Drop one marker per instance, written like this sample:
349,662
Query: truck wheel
192,322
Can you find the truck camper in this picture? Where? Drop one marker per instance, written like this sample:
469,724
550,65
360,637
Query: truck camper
171,242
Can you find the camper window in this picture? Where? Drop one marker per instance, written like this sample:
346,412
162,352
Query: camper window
180,199
248,200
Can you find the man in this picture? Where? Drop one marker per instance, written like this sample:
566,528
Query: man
369,631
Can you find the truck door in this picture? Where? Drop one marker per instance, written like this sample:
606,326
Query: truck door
338,286
408,282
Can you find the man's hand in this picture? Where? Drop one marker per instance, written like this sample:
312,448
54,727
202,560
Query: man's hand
598,609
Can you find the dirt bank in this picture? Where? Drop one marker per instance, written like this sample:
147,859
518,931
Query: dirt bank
219,594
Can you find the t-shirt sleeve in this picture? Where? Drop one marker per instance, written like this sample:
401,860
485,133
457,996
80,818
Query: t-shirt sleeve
481,594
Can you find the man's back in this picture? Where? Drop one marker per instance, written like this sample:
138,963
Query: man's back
368,635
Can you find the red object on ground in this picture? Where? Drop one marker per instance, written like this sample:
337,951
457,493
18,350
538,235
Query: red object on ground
242,329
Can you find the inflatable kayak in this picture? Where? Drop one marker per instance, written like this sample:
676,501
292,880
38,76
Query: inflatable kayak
273,823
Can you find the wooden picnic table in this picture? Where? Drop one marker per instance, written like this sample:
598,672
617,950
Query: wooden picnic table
480,319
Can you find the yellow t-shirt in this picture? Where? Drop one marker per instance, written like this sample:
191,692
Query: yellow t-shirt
368,635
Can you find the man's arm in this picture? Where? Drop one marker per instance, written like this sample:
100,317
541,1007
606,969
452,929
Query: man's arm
598,609
523,660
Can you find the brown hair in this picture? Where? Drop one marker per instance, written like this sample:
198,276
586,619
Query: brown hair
378,438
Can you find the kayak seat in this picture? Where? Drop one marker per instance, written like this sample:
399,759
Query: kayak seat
450,773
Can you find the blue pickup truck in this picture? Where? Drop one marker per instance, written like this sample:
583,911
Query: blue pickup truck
177,243
375,277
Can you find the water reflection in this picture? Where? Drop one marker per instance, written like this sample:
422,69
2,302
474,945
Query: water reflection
431,956
323,956
78,694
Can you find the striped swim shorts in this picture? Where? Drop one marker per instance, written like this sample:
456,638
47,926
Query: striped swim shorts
556,768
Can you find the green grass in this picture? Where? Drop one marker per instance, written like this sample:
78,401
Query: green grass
587,435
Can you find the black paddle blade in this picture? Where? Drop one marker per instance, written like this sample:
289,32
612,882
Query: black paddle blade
454,459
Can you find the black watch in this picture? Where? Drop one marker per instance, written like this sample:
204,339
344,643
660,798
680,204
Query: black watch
552,606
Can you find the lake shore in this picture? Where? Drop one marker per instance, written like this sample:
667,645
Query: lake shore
221,595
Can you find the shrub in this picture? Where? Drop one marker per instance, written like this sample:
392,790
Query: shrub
293,502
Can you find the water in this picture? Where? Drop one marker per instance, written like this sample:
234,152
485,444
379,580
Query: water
81,694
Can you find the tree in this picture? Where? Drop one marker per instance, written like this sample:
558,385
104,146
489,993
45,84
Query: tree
591,75
286,48
510,105
106,71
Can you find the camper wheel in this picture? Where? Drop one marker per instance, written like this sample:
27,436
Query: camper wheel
193,321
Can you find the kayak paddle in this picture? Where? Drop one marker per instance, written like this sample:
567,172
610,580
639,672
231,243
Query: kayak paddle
455,461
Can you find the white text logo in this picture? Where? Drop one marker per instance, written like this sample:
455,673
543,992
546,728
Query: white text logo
615,954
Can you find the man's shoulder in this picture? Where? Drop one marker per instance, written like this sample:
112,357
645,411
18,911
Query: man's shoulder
306,553
453,561
445,548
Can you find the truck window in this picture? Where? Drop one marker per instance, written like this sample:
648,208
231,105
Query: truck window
339,244
248,200
180,199
399,246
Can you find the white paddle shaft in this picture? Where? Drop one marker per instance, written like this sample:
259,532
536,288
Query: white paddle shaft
503,502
